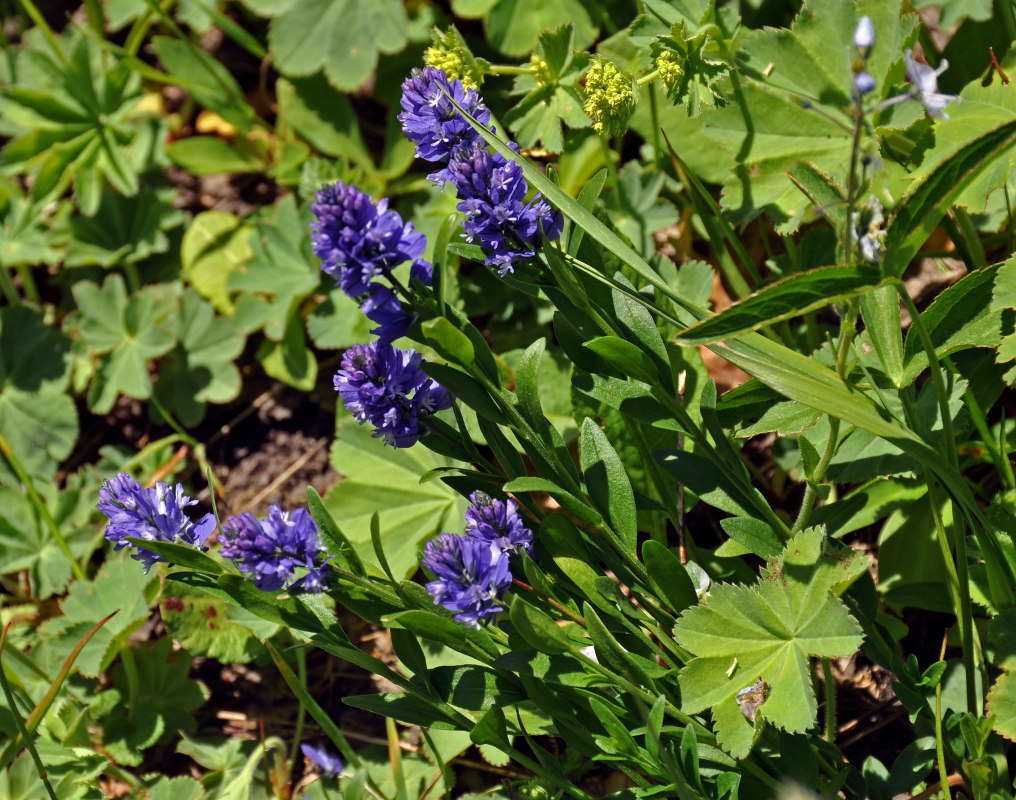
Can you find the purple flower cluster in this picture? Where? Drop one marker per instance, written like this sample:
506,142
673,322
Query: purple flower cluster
498,523
359,240
155,514
472,570
491,188
471,576
273,549
380,384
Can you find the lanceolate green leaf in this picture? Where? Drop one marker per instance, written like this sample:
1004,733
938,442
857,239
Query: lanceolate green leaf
607,483
790,297
928,201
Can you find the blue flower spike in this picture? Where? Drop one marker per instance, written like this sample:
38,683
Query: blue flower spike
156,514
471,576
498,523
275,549
491,188
358,241
385,386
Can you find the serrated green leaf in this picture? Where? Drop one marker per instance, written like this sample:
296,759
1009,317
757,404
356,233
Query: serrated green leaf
1001,705
119,584
213,247
126,332
934,192
790,297
165,698
781,134
771,131
75,122
290,360
26,542
345,38
279,273
39,421
209,626
123,230
200,370
551,98
514,26
768,630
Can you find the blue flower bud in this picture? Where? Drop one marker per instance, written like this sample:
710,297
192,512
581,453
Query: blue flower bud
863,82
864,34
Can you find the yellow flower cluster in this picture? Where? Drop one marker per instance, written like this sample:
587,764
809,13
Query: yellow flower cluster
541,70
669,68
611,96
452,62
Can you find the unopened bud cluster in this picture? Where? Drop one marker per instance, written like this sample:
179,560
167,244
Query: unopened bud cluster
611,96
669,68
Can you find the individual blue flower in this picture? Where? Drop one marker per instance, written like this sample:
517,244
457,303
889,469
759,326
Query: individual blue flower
493,191
276,548
864,34
386,387
430,120
471,576
357,239
864,82
156,514
925,86
329,763
498,523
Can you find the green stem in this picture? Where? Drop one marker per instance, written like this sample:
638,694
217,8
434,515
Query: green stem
130,669
28,282
509,69
1001,461
956,568
973,242
171,421
648,77
301,712
830,701
40,507
943,771
654,120
22,731
8,288
948,438
842,350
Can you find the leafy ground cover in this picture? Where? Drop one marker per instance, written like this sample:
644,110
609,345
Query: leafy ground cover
697,485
